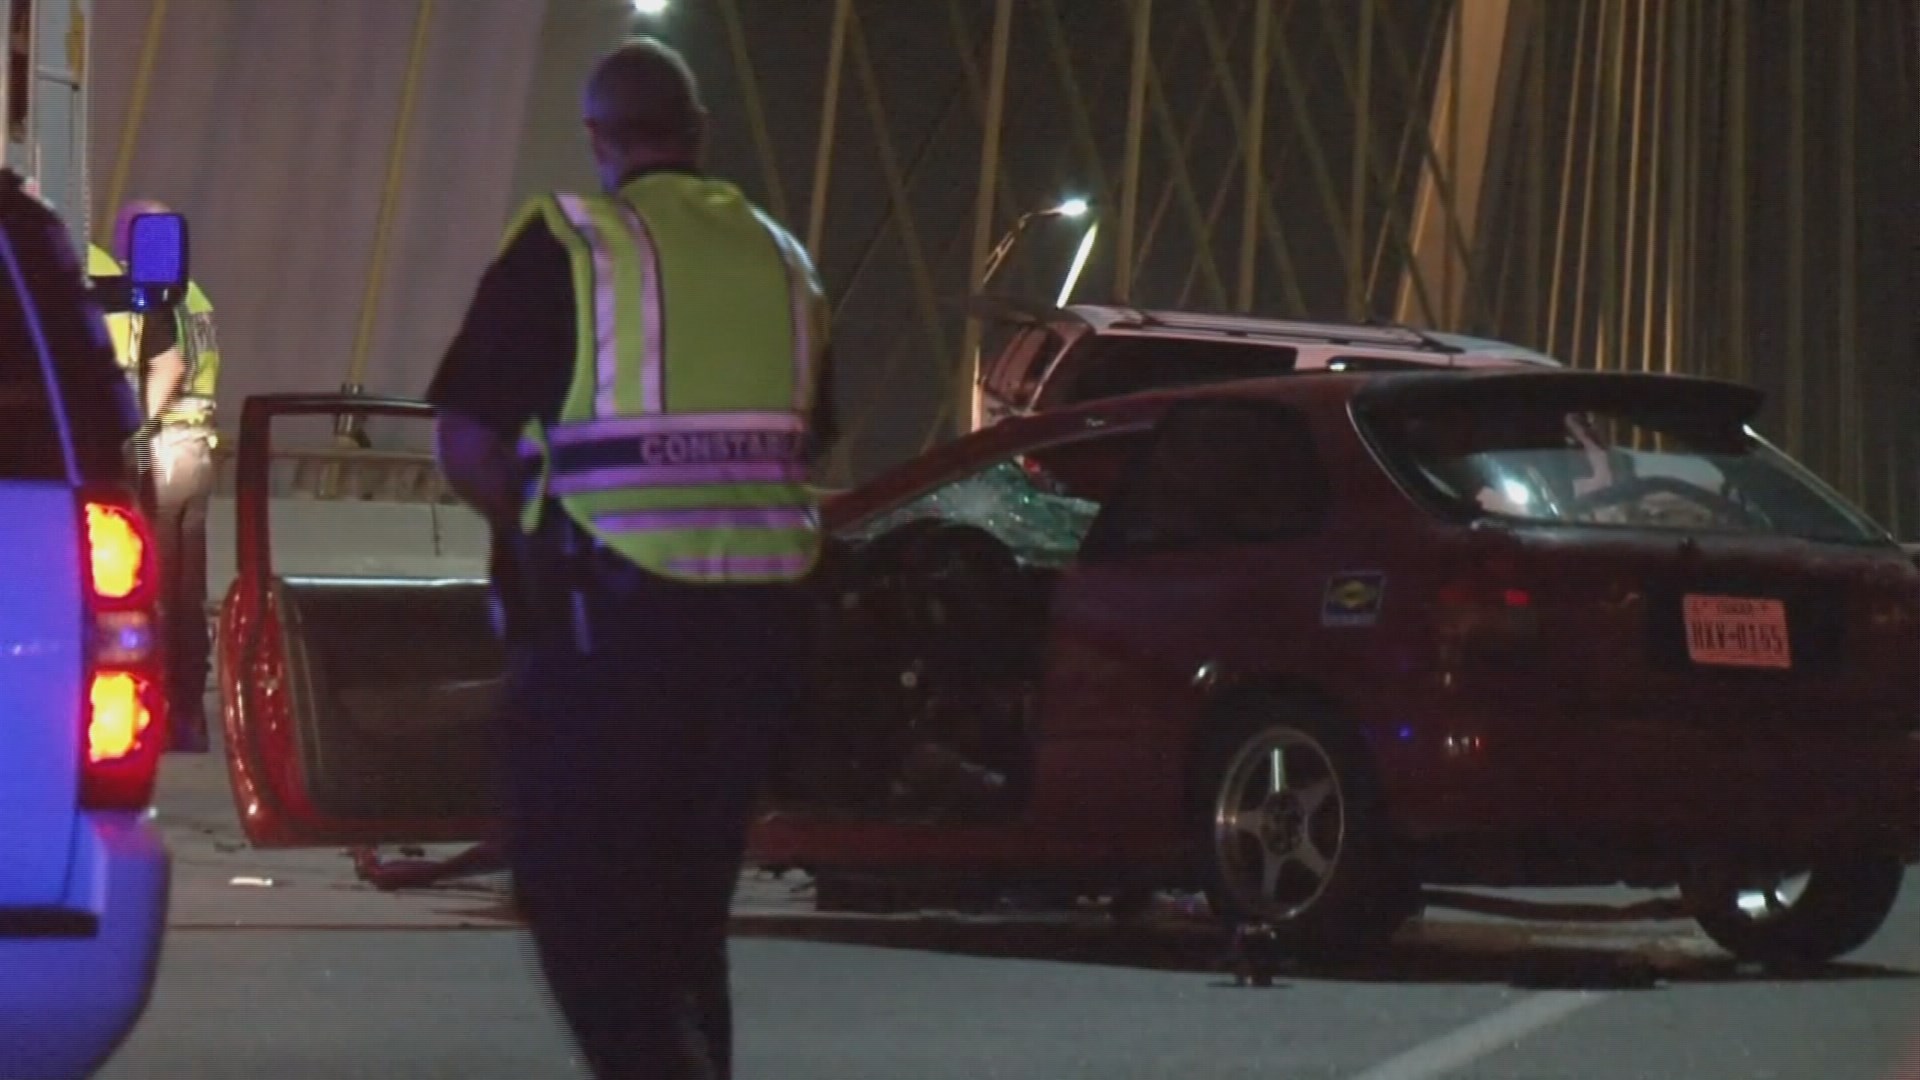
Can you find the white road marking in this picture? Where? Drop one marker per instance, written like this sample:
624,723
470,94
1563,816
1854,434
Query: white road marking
1485,1036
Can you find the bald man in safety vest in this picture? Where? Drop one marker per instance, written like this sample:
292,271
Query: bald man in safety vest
632,402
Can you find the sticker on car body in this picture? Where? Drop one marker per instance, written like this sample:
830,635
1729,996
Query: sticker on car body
1353,599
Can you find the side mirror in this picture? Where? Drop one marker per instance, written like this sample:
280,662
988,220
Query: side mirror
157,253
157,270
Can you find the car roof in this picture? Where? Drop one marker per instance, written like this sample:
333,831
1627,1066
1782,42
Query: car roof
1338,390
1107,318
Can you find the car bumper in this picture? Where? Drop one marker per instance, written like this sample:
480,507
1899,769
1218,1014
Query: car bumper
1783,792
74,981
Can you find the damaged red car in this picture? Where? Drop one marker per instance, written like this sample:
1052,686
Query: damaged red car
1306,644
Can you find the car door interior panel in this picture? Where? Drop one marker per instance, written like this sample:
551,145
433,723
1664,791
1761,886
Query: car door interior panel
397,686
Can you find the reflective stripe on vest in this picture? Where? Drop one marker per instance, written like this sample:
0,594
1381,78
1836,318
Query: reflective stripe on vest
673,451
606,299
200,350
799,274
681,443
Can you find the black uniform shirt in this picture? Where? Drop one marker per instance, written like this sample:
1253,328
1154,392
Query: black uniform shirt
513,359
157,334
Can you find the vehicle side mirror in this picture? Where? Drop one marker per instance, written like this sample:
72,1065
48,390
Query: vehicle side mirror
157,252
158,265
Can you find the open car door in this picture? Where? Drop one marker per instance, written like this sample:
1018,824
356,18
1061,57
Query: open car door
358,666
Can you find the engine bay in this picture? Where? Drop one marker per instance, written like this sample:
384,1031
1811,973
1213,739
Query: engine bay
931,646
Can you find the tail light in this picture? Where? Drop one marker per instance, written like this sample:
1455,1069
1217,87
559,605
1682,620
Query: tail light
124,710
1481,616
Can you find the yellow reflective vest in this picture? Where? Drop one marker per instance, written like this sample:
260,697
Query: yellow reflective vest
199,344
682,441
100,264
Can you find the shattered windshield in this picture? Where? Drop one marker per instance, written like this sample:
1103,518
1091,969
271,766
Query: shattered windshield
1010,501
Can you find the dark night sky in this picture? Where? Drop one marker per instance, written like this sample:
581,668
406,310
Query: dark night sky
896,351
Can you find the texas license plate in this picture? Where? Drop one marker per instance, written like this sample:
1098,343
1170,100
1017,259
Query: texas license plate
1732,631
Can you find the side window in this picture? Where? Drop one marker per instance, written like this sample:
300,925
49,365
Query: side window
1219,472
1040,503
1019,359
29,437
98,401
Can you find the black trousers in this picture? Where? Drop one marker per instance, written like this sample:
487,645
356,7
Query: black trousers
183,482
633,771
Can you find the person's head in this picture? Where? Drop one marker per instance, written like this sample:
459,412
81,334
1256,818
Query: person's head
642,109
123,225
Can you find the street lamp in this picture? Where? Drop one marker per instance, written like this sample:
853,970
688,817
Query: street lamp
1072,208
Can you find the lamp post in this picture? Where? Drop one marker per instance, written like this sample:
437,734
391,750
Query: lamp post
997,258
1072,208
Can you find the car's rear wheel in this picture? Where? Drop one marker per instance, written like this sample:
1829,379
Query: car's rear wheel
1288,828
1811,917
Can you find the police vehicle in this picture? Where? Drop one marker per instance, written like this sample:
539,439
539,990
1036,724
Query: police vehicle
83,872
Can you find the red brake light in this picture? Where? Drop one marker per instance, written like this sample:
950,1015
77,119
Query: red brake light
1465,594
119,715
124,710
118,556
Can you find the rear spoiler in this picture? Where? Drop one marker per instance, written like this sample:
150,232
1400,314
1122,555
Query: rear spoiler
1559,388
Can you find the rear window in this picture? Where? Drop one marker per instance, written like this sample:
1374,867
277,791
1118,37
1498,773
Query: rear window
1611,467
1117,364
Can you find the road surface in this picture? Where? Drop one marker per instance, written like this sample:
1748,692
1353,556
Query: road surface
314,977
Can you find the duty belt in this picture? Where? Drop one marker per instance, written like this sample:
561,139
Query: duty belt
189,411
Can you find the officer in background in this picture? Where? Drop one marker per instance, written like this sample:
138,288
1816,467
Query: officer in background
632,402
181,358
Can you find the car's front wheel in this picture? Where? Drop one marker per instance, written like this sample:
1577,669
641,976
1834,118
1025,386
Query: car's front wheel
1288,829
1811,917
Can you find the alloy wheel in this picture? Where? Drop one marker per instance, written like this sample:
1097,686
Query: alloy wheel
1280,824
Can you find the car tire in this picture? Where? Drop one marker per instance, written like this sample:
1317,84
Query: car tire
1335,887
1841,906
